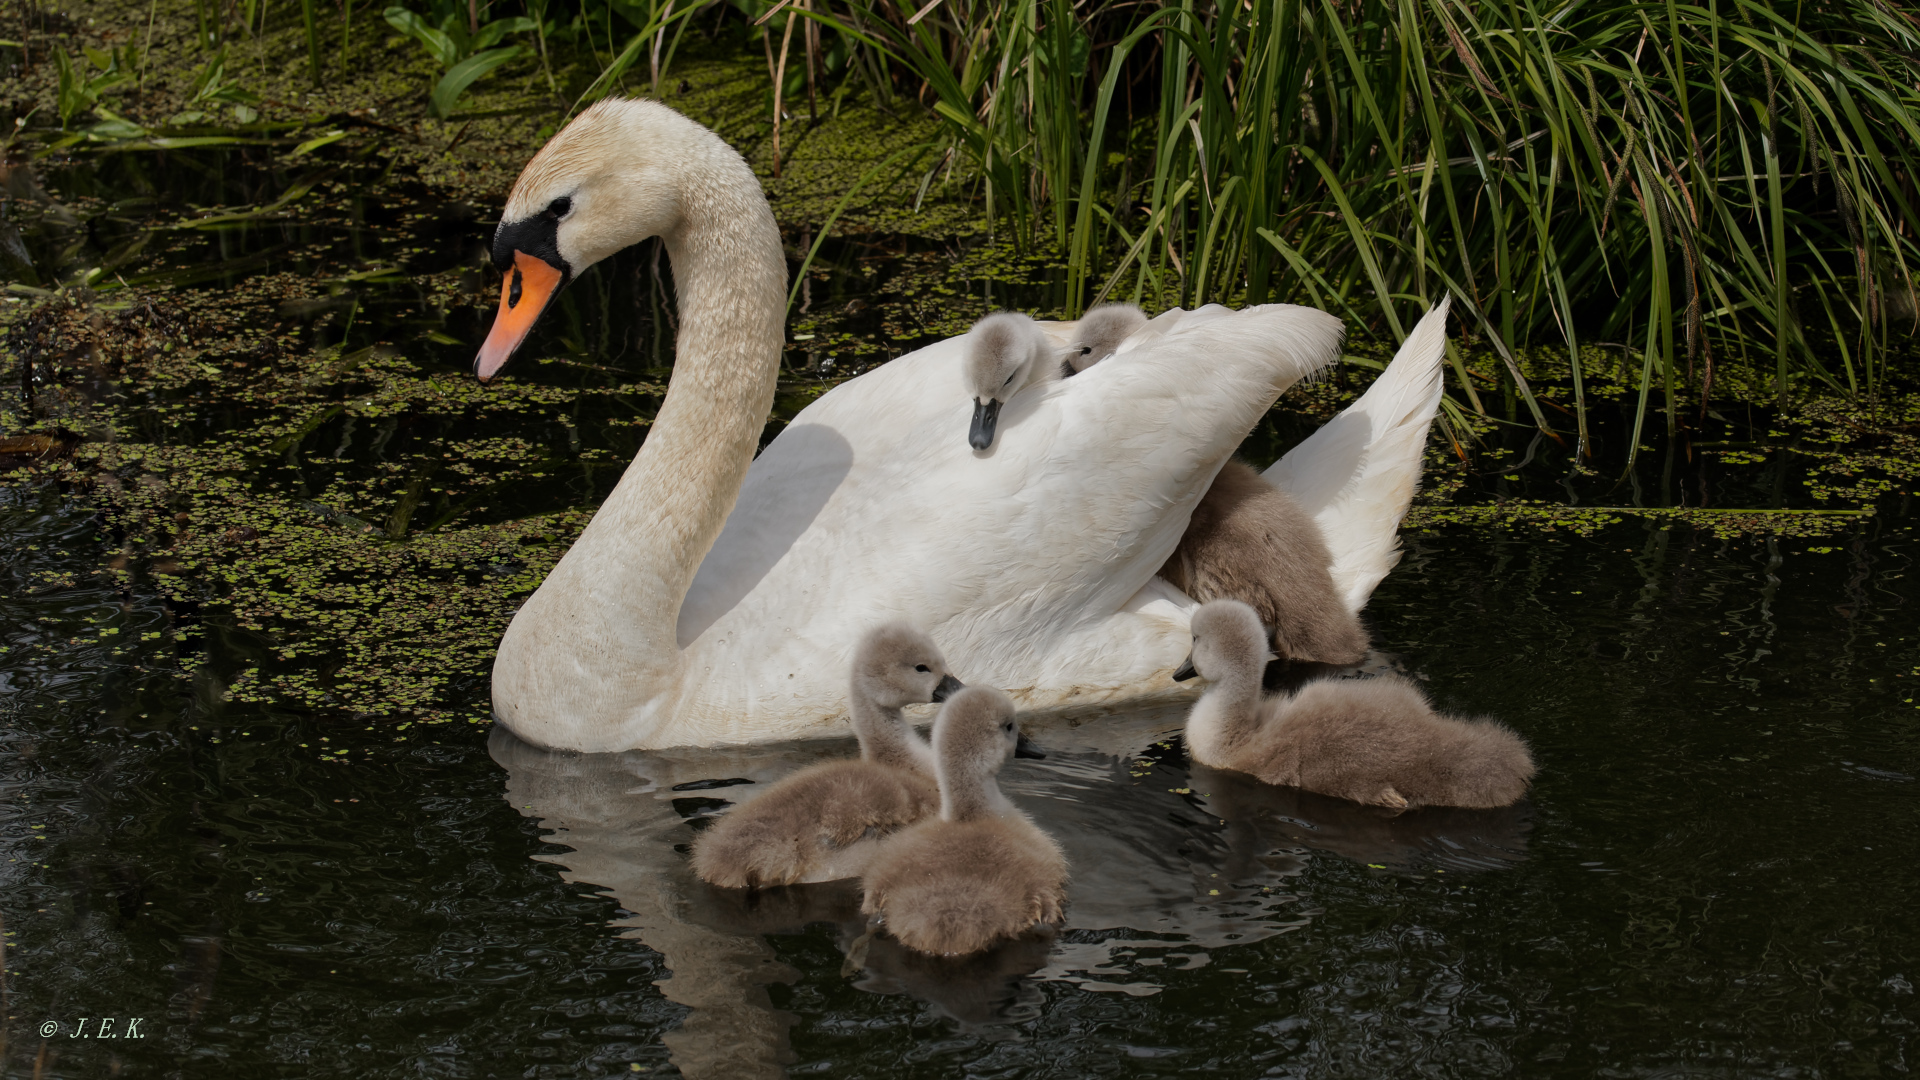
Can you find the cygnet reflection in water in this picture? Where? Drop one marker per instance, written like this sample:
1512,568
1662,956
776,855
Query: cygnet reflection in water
1167,864
977,991
1264,822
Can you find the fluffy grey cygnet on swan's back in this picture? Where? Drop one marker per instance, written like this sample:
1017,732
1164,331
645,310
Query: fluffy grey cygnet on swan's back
1247,540
981,872
822,823
1006,352
1375,741
1100,332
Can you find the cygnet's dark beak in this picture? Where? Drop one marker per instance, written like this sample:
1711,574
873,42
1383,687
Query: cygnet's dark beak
1186,671
1023,747
947,687
985,415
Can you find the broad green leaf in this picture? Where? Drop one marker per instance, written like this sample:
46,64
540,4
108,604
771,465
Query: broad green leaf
491,33
438,45
464,74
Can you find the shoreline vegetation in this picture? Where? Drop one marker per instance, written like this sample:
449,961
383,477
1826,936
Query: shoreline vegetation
244,254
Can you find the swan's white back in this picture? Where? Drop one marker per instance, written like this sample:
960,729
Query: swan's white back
1030,564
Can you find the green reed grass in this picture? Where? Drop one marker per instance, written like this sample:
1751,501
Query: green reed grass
1687,181
310,21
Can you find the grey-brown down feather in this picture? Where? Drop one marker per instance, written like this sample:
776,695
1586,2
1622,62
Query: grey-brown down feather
1249,541
1005,353
802,822
981,872
1378,741
1100,332
823,821
1375,741
956,887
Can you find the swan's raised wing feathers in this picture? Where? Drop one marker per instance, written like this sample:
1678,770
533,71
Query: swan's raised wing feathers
1356,476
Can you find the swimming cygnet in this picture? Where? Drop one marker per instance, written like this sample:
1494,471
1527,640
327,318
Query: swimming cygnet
981,872
1100,332
1006,351
1375,741
822,823
1249,541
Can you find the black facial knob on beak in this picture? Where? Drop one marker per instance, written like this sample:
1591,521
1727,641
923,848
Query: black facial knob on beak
1023,747
947,687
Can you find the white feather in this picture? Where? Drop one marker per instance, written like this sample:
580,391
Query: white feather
1357,474
1030,564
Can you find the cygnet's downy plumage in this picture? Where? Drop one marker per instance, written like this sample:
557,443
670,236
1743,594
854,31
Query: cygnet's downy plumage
1375,741
1249,541
822,823
981,872
1006,352
1099,333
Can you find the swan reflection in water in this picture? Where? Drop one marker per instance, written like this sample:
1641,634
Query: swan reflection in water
1169,862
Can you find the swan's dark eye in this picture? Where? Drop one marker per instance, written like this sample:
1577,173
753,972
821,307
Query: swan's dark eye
1006,727
1085,349
560,207
1009,381
923,667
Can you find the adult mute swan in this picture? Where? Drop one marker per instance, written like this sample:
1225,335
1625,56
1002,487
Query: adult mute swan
708,602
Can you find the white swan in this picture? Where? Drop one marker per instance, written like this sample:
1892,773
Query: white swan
1032,565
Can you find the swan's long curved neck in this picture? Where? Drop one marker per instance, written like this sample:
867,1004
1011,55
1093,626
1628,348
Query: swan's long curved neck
1226,715
671,503
591,661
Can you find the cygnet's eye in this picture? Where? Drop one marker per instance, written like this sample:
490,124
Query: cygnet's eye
1085,349
923,667
1009,381
1008,726
560,207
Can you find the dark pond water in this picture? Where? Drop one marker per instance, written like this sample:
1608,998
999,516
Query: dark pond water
1714,875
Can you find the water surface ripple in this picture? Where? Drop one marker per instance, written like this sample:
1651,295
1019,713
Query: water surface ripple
1713,876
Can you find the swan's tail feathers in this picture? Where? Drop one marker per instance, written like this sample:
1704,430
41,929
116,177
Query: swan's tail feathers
1356,476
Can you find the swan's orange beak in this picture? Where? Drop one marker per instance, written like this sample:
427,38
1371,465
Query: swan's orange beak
524,293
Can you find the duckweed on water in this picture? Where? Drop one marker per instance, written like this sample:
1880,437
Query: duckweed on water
378,594
235,469
267,401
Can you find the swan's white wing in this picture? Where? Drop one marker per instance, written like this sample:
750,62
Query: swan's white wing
1178,320
1357,475
1024,562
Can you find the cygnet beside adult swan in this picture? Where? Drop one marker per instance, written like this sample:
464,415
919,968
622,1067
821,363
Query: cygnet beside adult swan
821,823
1375,741
982,872
711,602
